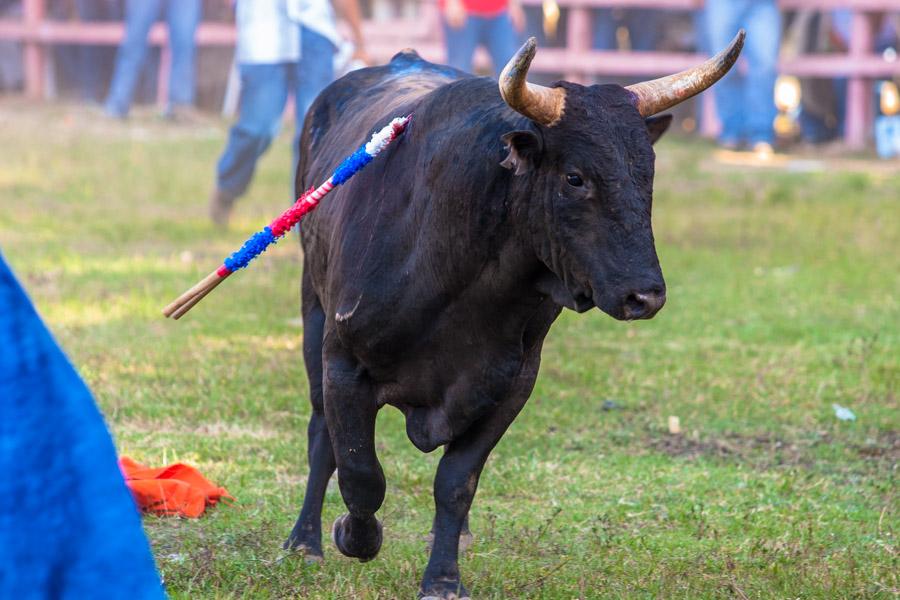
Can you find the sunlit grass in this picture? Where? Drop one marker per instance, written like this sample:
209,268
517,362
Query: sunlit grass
784,298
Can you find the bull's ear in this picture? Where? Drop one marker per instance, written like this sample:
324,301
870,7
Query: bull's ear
524,151
657,126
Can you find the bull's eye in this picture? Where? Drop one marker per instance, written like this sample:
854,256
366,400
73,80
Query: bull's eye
574,179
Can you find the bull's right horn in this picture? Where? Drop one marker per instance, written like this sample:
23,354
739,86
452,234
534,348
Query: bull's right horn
651,97
541,104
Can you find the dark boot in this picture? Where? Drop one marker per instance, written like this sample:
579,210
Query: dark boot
220,204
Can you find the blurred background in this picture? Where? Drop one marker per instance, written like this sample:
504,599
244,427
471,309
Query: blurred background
835,62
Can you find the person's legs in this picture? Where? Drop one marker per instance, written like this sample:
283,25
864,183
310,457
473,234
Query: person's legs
183,17
312,74
723,19
461,44
763,24
264,92
499,37
139,17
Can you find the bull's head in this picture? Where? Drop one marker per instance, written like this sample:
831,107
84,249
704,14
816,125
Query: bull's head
589,162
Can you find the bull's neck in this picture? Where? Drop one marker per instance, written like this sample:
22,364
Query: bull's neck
472,209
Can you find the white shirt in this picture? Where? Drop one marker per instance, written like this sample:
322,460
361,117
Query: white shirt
268,31
317,15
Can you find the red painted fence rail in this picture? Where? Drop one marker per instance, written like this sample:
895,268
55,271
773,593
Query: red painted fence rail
576,59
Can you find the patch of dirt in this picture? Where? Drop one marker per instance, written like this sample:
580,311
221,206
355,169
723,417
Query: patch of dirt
763,451
813,160
884,448
732,446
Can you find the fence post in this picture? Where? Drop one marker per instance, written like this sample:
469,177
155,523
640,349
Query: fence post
33,12
162,76
859,89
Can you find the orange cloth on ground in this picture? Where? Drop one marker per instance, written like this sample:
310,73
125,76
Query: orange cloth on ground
174,490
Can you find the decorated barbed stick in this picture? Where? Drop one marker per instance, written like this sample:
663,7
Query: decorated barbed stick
261,240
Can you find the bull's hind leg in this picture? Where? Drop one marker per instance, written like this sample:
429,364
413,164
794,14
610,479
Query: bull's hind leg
307,533
351,408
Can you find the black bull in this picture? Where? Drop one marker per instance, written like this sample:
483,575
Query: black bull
431,279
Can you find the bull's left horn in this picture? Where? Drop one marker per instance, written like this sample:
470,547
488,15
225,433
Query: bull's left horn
651,97
541,104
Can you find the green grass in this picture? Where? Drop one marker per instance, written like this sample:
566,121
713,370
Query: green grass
784,298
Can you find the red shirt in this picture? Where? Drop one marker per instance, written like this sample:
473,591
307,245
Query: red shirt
482,8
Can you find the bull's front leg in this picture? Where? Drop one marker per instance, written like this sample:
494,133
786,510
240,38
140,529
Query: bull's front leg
350,410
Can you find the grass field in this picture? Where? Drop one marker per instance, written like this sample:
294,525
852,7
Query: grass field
784,298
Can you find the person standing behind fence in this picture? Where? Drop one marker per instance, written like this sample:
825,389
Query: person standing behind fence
470,23
744,97
283,47
182,17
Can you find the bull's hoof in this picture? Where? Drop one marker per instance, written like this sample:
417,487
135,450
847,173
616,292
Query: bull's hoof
311,556
307,544
357,539
445,590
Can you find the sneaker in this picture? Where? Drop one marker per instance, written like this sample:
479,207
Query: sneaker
220,205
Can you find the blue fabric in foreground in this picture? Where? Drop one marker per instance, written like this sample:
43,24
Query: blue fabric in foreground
68,526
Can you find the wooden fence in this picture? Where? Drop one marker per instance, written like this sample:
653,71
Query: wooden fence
575,59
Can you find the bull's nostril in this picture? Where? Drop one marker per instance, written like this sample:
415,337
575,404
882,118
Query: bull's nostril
643,305
635,306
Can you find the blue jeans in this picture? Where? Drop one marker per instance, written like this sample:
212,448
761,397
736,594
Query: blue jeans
496,33
264,93
182,16
744,100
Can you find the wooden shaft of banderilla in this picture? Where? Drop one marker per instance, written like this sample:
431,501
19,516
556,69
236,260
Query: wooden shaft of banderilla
193,301
187,300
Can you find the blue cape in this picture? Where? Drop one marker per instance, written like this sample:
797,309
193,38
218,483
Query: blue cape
68,525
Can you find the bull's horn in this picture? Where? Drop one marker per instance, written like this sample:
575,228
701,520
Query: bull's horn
651,97
541,104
